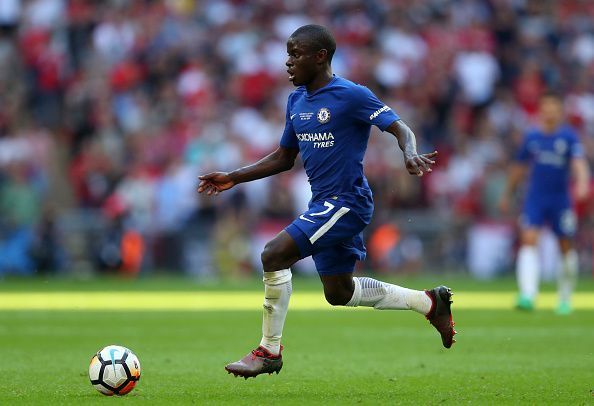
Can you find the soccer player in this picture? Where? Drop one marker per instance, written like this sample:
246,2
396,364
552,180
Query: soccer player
551,152
328,121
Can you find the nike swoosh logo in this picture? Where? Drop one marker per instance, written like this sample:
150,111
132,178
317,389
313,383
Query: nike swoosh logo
293,115
302,217
111,355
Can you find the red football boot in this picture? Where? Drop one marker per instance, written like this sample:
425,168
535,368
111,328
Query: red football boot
259,361
440,315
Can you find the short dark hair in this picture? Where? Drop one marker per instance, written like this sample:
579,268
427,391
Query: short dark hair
318,37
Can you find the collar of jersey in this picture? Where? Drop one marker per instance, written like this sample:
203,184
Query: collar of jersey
309,95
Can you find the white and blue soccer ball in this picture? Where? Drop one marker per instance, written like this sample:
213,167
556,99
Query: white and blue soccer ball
114,370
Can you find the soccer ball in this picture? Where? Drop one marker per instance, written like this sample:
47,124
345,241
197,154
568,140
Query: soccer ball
114,370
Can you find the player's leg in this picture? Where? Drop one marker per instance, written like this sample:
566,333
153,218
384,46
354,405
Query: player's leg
527,261
292,244
527,268
331,232
335,267
343,289
278,255
564,225
567,275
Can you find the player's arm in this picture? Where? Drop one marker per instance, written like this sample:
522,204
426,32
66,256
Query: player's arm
581,173
517,173
415,163
278,161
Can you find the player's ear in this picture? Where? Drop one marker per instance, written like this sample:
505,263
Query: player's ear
322,56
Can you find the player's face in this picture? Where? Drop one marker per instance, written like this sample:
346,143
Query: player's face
551,111
301,63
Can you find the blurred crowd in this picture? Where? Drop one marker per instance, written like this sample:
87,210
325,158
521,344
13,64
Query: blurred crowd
109,110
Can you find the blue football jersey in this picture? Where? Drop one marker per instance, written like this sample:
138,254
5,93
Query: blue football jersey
549,157
331,128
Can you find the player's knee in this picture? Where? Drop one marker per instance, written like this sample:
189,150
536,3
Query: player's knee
529,240
529,237
272,258
566,245
267,256
338,297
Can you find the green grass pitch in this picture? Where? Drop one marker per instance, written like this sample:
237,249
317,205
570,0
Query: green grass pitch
332,356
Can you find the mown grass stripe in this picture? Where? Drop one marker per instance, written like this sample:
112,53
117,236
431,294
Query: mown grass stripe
228,300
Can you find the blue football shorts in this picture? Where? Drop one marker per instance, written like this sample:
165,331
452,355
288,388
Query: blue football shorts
331,234
555,213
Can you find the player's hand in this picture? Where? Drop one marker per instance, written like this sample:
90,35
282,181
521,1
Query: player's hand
215,183
582,191
419,164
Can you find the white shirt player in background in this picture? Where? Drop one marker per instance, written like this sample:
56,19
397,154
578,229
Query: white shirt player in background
549,155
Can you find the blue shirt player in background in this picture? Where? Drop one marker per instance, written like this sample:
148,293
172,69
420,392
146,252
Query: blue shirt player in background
551,153
328,121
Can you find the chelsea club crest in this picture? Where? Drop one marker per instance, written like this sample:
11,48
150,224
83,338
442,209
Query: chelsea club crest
323,115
